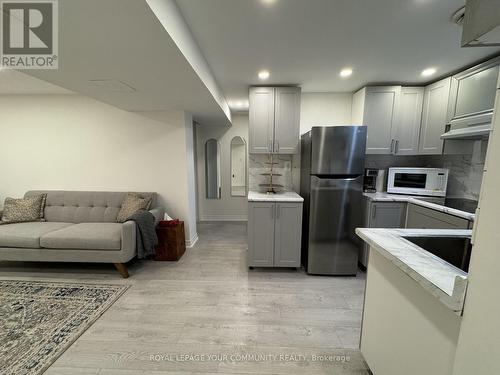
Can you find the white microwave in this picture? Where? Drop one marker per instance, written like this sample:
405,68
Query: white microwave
418,181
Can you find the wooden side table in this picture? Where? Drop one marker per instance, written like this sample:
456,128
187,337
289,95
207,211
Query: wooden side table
171,242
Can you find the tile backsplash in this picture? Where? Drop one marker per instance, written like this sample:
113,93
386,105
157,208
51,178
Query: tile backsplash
465,177
466,171
257,165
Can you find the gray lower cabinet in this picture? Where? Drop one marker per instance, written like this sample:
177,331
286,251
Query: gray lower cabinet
382,215
426,218
387,215
274,234
261,234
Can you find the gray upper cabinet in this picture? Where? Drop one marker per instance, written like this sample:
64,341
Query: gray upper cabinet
274,120
261,119
287,120
393,116
261,217
274,234
377,107
434,117
288,228
472,95
410,116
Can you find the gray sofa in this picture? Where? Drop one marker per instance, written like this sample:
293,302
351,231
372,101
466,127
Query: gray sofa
80,226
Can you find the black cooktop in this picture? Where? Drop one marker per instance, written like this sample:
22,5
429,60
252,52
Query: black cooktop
462,204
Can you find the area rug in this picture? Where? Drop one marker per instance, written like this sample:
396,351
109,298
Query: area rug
40,320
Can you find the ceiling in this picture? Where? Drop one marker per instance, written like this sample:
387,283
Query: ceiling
309,42
123,43
13,82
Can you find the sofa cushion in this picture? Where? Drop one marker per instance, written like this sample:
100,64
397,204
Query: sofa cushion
27,235
85,236
130,205
23,209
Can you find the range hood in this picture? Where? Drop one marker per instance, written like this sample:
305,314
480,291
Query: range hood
470,132
481,23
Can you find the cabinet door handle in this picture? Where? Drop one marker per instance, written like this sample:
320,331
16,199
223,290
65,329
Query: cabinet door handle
392,146
396,146
374,212
278,210
272,212
278,148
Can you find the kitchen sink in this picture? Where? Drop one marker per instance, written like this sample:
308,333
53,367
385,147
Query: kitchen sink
454,250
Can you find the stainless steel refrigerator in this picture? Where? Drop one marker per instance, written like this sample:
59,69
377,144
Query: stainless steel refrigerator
331,183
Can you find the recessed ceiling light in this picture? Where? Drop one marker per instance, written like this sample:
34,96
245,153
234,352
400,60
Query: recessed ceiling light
263,74
268,2
347,72
428,72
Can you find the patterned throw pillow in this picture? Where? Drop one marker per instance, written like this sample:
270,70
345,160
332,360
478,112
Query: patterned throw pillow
24,209
131,204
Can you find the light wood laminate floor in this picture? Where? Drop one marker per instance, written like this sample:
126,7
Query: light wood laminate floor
209,303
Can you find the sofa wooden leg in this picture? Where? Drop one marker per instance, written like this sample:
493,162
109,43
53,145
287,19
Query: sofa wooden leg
122,269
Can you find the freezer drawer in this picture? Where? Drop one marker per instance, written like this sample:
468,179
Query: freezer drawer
336,209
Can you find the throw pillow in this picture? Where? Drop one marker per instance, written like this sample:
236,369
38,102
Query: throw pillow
131,204
24,209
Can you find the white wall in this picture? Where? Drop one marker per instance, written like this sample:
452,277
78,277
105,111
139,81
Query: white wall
77,143
228,208
478,343
324,109
238,164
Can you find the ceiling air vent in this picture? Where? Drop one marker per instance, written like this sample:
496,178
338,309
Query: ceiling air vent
112,85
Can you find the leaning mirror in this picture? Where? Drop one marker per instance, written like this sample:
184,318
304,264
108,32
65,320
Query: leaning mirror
212,169
238,167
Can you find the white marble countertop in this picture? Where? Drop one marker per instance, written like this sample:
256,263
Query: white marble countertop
421,201
386,197
286,196
443,280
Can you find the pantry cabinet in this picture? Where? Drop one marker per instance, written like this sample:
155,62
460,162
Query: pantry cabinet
274,120
274,234
434,117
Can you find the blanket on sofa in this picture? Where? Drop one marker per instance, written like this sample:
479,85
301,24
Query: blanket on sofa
146,238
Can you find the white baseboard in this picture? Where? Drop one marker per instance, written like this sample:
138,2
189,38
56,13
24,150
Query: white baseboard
223,218
190,243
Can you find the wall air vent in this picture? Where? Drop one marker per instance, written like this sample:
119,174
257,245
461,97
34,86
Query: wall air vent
112,85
